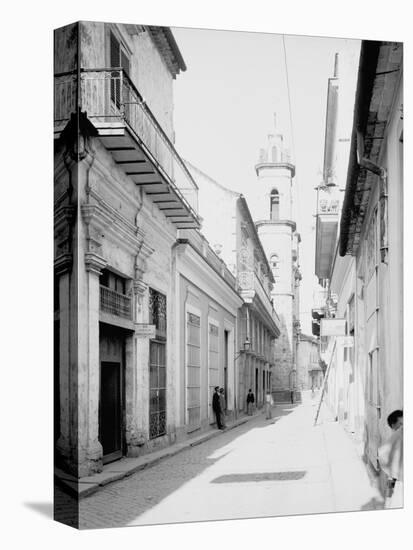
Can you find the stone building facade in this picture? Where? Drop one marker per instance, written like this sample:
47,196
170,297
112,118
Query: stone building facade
272,207
309,372
365,381
207,304
228,226
122,198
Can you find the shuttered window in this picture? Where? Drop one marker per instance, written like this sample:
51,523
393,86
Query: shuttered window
193,371
118,58
213,365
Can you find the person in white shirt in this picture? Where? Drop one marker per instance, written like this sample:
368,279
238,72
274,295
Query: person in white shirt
269,402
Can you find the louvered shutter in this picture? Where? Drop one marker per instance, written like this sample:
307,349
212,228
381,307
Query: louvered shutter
124,61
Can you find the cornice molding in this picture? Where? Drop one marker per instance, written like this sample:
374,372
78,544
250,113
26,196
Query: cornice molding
64,215
94,263
63,263
277,165
289,223
101,216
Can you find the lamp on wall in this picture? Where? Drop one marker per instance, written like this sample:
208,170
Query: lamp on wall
247,345
245,348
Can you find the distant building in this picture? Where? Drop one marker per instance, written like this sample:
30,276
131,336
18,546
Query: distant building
309,371
272,210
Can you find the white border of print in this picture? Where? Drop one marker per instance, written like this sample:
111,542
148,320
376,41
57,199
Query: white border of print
27,275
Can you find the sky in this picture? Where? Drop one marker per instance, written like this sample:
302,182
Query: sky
224,105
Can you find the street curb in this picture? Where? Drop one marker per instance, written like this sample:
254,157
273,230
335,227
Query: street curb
81,489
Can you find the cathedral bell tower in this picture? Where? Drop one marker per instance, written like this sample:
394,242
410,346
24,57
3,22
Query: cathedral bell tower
273,215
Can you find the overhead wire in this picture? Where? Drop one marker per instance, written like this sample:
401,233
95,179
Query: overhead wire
291,125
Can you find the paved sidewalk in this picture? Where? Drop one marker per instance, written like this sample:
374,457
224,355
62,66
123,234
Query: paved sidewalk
125,467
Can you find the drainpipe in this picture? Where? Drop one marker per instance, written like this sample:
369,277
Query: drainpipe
78,88
247,335
382,174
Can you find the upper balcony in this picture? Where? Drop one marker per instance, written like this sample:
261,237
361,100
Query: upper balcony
130,132
252,291
328,212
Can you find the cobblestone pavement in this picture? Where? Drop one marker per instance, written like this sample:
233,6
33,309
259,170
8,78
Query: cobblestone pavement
282,466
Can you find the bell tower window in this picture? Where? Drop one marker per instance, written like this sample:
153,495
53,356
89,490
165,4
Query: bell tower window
274,205
274,263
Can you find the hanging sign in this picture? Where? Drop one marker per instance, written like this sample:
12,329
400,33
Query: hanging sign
332,327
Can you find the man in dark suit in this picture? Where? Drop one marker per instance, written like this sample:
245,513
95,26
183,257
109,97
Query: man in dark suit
216,407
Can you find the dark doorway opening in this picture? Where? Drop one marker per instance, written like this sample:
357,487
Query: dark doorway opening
256,387
112,392
110,425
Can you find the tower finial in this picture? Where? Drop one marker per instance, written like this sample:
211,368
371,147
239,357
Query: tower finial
275,121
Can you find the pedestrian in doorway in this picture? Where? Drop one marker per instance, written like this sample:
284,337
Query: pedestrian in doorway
292,396
269,402
216,407
391,461
223,406
250,402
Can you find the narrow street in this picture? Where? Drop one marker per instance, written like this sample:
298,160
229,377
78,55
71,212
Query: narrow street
283,466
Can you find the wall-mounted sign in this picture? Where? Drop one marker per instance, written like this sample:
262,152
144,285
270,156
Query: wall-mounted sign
328,200
332,327
347,341
144,330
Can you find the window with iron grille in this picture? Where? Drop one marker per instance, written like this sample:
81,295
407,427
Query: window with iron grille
157,312
157,389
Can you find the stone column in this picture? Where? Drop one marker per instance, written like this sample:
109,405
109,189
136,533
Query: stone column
67,438
90,450
135,438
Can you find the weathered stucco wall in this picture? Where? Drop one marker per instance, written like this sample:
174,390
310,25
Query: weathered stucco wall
65,48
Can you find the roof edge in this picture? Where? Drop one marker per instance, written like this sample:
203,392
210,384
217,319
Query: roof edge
369,55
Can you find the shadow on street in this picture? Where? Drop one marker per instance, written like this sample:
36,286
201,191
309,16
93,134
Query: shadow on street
265,476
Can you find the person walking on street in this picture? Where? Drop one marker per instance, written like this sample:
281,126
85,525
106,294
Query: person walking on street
223,406
216,407
250,402
269,402
391,461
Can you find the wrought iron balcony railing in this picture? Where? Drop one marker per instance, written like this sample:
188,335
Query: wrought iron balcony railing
108,95
115,303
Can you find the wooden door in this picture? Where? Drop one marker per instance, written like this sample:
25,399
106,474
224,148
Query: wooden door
110,424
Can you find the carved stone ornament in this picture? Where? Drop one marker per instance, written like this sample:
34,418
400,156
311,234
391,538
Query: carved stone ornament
246,280
77,138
